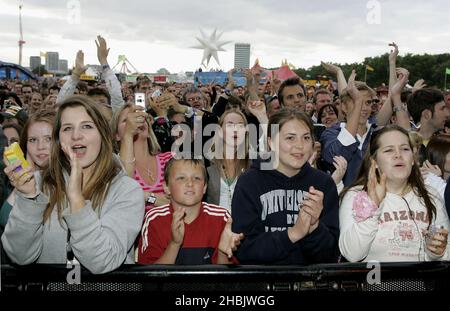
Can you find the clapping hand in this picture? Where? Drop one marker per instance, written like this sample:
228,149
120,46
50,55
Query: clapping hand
74,186
376,189
340,163
229,241
313,205
177,226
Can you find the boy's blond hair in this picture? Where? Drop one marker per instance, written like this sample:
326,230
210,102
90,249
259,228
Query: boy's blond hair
194,162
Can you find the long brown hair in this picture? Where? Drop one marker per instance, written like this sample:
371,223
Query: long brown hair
414,180
240,164
106,167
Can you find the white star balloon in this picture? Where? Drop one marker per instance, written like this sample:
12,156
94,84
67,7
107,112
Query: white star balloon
210,46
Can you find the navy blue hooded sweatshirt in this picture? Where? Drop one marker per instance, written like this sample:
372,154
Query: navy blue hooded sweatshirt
266,203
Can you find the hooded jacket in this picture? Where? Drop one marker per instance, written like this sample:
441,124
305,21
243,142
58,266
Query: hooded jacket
266,203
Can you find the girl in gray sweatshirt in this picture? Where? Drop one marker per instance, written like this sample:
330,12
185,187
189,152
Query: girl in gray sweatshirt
82,207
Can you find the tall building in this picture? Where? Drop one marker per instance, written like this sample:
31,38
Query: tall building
63,65
35,62
52,61
242,55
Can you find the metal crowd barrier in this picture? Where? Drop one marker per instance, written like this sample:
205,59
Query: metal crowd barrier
411,276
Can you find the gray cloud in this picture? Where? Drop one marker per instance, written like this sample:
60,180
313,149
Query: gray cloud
298,29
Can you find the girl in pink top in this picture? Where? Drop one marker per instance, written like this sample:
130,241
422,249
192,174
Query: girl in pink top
140,152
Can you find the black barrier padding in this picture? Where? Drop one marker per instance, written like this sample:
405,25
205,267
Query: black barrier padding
346,277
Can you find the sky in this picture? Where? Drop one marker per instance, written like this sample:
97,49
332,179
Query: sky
160,34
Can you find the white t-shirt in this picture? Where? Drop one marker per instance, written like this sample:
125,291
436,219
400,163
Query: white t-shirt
393,232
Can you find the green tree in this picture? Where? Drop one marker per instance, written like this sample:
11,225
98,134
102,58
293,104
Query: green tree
429,67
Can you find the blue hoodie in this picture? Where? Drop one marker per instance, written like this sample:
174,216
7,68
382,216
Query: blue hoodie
266,203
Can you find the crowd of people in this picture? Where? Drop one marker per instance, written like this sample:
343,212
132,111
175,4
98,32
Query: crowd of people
275,172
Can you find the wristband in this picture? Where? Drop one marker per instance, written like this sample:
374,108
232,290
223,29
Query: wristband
399,108
151,199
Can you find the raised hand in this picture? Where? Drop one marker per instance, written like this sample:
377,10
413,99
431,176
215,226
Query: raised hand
376,189
427,167
74,186
23,179
177,227
168,100
102,50
257,108
249,77
231,84
402,80
354,93
275,83
256,71
330,68
394,53
161,103
135,121
229,241
80,68
340,163
251,84
420,84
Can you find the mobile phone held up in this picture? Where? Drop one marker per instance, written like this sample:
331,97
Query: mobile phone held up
139,99
13,153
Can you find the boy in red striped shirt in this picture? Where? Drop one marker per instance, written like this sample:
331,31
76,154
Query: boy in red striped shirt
187,231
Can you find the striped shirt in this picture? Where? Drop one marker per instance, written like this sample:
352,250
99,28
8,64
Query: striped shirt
201,236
